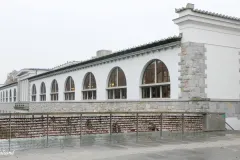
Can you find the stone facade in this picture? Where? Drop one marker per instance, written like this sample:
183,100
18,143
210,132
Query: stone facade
231,108
192,71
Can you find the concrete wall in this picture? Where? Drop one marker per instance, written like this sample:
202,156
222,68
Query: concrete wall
7,107
132,67
214,122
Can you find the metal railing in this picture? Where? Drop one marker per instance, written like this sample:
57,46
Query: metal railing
229,126
15,126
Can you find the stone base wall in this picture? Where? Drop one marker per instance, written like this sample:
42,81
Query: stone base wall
164,106
231,108
7,107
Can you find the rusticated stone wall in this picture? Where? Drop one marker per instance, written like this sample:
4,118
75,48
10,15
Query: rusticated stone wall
231,108
192,71
124,106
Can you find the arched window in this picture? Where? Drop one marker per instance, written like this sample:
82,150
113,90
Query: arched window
34,93
156,81
117,86
3,96
89,87
54,91
43,92
10,95
6,96
69,89
15,95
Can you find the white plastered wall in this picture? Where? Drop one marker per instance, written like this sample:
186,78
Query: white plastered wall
222,42
132,68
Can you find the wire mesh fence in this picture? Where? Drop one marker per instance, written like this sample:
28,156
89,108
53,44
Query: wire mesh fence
34,130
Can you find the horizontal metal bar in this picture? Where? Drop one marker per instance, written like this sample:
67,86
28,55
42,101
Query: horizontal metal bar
74,113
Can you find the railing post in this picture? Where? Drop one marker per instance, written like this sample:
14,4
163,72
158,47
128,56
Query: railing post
47,128
10,133
110,127
137,127
182,123
32,124
80,126
203,122
161,125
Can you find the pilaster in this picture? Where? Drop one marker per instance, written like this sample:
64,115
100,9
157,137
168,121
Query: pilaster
192,71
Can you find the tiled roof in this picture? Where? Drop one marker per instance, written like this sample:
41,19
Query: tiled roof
8,85
208,13
43,69
118,53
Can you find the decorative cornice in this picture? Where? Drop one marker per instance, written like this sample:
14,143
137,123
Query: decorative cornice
207,13
119,56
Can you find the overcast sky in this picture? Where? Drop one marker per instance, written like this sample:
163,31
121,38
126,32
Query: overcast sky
46,33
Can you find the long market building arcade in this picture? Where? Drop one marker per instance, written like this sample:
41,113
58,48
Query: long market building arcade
201,63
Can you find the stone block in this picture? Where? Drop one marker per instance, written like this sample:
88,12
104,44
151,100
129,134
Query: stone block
214,122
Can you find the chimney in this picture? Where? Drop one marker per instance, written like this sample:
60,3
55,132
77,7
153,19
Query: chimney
103,52
190,6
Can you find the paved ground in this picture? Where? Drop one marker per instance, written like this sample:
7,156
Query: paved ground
208,146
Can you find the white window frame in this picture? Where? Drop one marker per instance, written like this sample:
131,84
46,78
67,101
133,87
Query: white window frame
42,94
113,89
69,93
54,95
34,96
155,84
10,95
14,95
6,95
87,91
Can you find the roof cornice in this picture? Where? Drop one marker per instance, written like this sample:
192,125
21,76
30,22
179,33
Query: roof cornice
120,55
206,13
205,21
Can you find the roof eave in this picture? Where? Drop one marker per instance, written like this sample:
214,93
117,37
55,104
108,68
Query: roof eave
8,85
119,53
